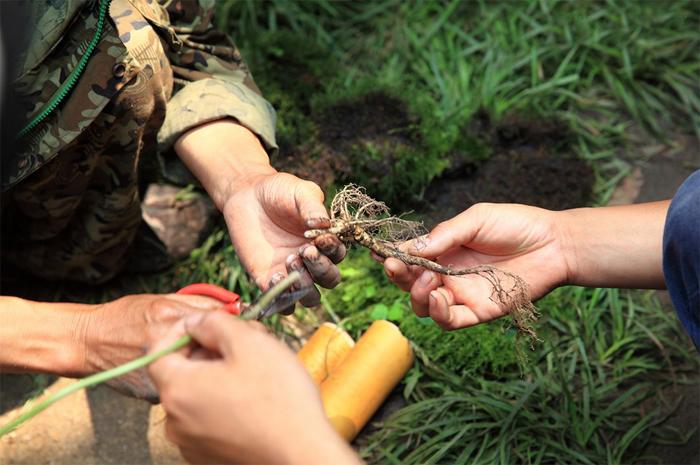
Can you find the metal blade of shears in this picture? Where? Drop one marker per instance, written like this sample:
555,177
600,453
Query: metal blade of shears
283,302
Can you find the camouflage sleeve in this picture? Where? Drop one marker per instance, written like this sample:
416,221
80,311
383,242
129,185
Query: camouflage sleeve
211,79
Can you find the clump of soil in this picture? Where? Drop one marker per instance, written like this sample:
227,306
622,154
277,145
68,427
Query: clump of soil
532,163
375,117
356,139
373,140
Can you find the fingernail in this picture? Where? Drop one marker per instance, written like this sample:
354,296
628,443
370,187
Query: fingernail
310,253
277,277
313,223
389,273
426,278
293,262
433,299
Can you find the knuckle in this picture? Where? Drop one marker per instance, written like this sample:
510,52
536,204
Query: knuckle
313,189
479,210
213,319
162,310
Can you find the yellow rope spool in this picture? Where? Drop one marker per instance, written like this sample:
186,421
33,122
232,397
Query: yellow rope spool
356,388
324,351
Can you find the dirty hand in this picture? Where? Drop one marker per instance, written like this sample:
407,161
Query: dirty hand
124,329
267,215
241,396
266,212
524,240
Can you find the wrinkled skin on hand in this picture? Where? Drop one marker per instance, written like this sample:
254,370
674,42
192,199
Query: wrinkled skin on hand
267,218
122,330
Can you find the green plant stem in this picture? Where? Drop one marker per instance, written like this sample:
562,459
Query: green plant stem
93,380
141,362
268,297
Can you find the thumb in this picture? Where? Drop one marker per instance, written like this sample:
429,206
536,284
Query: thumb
455,232
308,198
162,369
213,330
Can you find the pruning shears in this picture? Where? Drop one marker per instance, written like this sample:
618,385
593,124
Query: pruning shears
232,301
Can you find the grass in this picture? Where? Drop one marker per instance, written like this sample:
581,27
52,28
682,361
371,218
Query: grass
584,399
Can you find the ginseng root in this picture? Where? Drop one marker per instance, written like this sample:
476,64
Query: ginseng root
357,218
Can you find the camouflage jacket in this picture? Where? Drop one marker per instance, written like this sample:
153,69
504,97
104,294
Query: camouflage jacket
210,79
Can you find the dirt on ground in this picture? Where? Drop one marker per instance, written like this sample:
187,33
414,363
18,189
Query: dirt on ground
345,130
532,163
97,426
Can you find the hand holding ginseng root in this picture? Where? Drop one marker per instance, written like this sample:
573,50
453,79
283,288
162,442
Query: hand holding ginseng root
527,246
458,287
520,240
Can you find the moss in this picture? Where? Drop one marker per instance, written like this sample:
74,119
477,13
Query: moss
366,294
480,350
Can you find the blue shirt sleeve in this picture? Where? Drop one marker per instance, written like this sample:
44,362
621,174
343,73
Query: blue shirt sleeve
681,255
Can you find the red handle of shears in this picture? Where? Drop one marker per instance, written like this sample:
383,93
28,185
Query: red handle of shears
231,300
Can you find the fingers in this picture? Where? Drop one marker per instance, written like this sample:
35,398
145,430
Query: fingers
320,267
309,202
401,274
277,277
214,331
162,369
330,246
420,292
313,298
454,232
447,315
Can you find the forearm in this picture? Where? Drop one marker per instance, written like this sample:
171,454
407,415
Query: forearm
615,246
41,337
222,154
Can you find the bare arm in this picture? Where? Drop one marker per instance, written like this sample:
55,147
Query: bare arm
77,340
223,154
41,337
615,246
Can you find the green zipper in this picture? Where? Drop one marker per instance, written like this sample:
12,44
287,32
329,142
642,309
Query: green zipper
74,76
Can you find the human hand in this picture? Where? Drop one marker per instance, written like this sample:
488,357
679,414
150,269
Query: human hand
267,215
527,241
266,212
124,329
241,396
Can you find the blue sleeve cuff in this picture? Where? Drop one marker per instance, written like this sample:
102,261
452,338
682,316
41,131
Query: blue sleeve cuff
681,255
